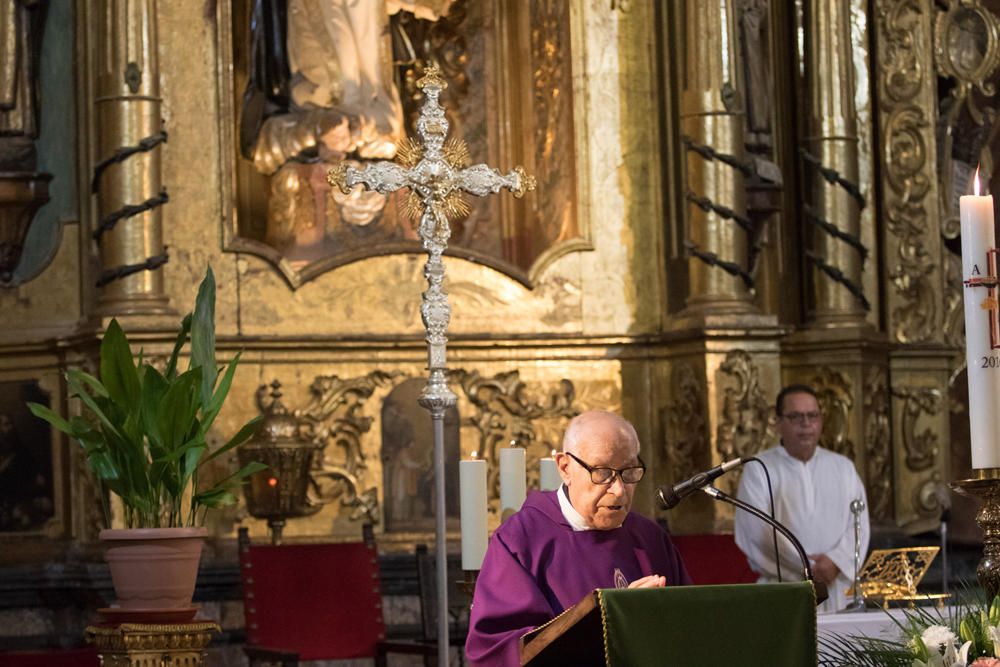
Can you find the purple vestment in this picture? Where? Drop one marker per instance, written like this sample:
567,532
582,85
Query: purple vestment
536,566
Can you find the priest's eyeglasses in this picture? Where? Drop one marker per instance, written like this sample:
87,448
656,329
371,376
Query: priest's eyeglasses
800,418
630,475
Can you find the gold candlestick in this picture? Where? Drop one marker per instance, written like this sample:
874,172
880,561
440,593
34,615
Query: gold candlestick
986,486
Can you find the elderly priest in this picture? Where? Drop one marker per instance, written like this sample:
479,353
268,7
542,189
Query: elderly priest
563,544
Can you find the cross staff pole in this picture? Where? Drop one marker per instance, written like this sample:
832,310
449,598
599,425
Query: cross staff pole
437,179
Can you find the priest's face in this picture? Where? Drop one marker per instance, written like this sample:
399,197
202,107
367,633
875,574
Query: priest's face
800,425
605,442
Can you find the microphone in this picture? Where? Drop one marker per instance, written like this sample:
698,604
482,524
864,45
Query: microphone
670,496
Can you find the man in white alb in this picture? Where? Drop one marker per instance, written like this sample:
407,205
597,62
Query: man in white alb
813,489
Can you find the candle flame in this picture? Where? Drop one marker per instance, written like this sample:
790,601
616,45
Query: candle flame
975,182
475,454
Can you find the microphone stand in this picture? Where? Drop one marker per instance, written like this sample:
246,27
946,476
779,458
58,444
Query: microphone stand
857,506
821,592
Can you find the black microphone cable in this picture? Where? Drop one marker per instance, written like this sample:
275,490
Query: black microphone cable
770,496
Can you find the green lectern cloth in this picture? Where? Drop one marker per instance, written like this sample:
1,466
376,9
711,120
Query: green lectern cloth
694,626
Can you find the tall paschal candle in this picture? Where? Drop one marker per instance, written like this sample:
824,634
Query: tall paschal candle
978,238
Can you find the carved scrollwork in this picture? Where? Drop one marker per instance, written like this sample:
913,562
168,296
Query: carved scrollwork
836,399
903,77
334,418
507,410
928,494
744,411
685,421
921,446
878,455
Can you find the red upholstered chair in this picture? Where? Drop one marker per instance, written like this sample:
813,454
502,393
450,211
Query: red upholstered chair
714,559
311,601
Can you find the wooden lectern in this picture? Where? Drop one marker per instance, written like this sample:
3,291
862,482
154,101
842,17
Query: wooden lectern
682,625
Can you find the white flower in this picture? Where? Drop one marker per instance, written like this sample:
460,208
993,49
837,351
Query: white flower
995,636
963,655
941,642
936,637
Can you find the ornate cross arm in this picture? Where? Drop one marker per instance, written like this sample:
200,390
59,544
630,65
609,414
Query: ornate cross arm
481,180
383,177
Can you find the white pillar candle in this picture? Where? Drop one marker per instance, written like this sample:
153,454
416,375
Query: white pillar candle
548,474
475,534
978,238
513,482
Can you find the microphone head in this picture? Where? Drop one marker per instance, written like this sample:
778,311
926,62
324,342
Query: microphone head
668,497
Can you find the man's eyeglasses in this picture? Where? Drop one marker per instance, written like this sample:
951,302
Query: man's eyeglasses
630,475
801,418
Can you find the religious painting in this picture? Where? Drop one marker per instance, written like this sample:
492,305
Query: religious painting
27,501
317,83
408,461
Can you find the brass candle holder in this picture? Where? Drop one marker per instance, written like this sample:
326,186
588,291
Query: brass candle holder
985,485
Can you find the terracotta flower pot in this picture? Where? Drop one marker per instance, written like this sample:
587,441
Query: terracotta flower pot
153,568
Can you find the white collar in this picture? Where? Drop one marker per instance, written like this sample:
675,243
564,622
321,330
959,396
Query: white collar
574,518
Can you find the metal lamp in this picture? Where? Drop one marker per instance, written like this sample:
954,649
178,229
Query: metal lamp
279,492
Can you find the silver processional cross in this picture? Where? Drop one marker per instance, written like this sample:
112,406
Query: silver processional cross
435,171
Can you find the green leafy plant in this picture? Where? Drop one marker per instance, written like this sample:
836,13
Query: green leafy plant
967,634
144,432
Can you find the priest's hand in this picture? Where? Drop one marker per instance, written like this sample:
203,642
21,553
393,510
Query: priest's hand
652,581
824,569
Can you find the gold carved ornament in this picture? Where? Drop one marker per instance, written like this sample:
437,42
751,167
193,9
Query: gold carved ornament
878,441
685,421
508,411
335,416
152,645
744,414
836,401
921,446
908,173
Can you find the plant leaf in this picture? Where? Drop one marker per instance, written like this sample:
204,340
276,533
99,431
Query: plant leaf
76,379
89,380
154,386
178,408
182,336
237,477
219,397
118,371
51,417
222,492
203,337
215,498
241,436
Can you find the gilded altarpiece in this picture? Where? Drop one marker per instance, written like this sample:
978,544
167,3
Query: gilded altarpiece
569,301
